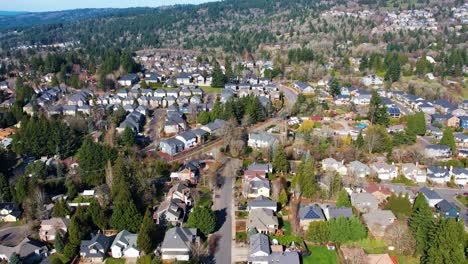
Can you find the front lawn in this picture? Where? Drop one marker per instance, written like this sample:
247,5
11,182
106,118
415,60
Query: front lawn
115,261
208,89
320,255
463,199
404,180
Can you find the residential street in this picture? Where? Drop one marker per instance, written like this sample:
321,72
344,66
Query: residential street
222,206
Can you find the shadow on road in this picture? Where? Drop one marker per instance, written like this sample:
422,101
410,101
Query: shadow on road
221,216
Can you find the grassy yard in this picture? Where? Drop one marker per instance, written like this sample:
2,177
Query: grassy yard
287,227
320,255
209,89
115,261
404,180
463,199
58,257
370,246
407,259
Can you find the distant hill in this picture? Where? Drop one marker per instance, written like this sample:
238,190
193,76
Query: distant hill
20,20
11,13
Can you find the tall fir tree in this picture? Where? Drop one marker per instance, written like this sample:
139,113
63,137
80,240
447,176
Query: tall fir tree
377,110
448,139
146,233
421,222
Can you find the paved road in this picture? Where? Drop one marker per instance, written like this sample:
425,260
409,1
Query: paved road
223,207
290,97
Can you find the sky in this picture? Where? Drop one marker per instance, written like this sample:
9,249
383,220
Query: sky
53,5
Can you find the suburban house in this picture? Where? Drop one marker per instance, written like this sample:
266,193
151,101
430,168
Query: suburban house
188,172
125,245
379,192
336,212
303,87
171,146
437,151
177,243
437,174
50,227
260,252
446,209
413,172
364,202
460,175
96,249
384,171
308,214
188,138
378,220
128,80
29,251
257,187
214,127
181,191
263,221
372,80
358,169
262,202
330,164
184,79
169,211
265,167
431,196
261,140
464,122
461,140
9,212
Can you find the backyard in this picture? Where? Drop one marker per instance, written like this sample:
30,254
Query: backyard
320,255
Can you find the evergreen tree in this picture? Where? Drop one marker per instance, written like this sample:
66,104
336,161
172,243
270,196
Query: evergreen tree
218,78
343,199
304,181
125,214
60,208
360,141
5,194
318,232
128,137
54,81
334,86
377,110
283,198
447,244
147,233
21,189
78,230
202,218
15,259
58,243
399,205
393,68
97,215
448,139
420,222
143,84
204,117
280,162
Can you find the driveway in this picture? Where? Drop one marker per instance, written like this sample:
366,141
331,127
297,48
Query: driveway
11,235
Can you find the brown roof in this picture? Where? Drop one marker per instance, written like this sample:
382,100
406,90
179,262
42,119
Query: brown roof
373,187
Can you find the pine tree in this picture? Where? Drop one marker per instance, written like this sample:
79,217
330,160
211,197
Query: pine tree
97,215
5,194
58,243
420,222
448,139
447,244
147,233
218,78
125,214
143,84
128,137
343,199
377,110
360,141
334,86
280,162
60,208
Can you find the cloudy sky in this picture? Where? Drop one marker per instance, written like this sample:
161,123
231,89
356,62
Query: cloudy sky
51,5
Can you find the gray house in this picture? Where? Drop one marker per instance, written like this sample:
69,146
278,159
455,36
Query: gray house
171,146
336,212
177,244
96,249
262,202
437,151
364,202
29,251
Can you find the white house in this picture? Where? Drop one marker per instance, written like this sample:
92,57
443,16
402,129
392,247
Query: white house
330,164
384,171
261,140
125,245
413,172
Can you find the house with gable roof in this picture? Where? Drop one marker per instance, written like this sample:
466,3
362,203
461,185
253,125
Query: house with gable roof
177,243
125,245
